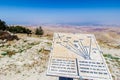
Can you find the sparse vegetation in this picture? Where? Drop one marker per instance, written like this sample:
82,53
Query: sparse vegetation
4,53
9,53
44,51
111,57
49,44
117,47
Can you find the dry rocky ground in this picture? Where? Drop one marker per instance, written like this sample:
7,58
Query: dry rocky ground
26,58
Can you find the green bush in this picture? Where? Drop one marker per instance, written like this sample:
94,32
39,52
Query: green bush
39,31
3,25
19,29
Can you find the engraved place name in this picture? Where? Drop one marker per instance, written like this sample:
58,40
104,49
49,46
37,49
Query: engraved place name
63,66
92,68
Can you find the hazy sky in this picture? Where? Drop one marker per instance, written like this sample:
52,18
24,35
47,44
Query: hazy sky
60,11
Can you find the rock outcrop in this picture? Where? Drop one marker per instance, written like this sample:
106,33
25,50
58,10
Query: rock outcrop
7,36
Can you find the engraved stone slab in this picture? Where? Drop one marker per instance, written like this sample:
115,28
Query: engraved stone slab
77,55
63,67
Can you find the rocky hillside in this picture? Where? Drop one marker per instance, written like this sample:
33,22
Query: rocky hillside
24,59
27,58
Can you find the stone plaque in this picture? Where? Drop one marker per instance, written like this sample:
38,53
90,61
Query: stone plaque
77,56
